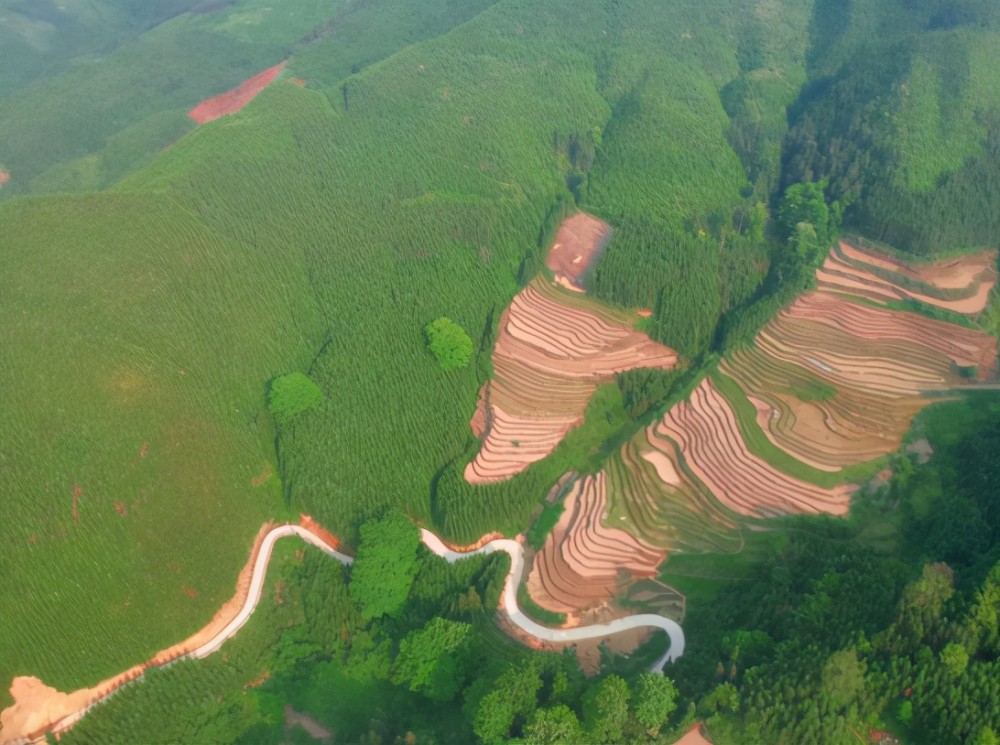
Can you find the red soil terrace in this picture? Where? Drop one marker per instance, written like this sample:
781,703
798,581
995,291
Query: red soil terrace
233,100
707,432
854,272
549,359
948,274
877,363
582,559
579,240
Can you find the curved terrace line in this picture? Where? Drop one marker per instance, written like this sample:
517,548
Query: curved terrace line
438,548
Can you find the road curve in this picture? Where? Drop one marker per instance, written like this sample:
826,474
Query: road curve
509,602
257,581
437,547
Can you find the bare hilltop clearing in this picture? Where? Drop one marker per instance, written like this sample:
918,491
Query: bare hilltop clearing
234,100
579,242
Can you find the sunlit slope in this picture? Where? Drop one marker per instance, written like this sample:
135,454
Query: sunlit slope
136,346
319,230
419,199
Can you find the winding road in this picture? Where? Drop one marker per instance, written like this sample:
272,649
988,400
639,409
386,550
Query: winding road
72,714
578,633
438,548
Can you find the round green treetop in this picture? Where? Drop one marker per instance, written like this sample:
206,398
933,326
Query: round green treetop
289,395
449,343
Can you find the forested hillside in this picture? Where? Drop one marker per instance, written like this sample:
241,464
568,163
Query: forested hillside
900,115
208,327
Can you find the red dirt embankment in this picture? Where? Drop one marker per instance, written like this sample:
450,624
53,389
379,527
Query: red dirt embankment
233,100
694,736
39,708
579,240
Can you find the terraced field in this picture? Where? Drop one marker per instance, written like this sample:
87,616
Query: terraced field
830,384
554,348
583,561
836,382
962,285
706,430
652,494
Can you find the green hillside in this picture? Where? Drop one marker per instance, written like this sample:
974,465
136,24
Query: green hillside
904,121
419,173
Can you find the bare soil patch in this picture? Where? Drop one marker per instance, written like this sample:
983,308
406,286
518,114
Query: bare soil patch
233,100
579,241
694,736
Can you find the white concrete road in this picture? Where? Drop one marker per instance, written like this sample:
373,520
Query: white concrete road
436,546
516,552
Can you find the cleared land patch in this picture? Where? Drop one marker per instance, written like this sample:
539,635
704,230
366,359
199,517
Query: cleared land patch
553,350
583,560
233,100
579,241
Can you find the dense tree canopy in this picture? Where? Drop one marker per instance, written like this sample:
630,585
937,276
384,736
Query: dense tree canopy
432,661
449,343
290,395
385,565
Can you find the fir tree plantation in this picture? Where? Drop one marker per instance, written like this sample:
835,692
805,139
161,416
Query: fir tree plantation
290,315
